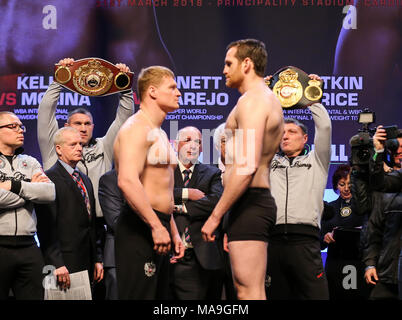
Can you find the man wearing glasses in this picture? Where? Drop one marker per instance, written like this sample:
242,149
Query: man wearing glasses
22,183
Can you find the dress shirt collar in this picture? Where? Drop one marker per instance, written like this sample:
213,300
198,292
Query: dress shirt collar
68,168
182,168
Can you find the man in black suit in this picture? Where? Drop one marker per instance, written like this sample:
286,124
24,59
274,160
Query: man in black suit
198,187
66,228
112,202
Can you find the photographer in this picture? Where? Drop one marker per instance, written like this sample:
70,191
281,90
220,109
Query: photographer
384,226
380,181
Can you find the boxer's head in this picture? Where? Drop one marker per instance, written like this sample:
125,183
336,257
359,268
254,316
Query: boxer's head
242,56
158,84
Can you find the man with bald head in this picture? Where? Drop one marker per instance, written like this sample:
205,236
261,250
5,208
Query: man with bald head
198,188
22,183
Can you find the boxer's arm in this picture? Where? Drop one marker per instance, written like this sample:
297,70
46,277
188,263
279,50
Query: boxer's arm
251,117
131,156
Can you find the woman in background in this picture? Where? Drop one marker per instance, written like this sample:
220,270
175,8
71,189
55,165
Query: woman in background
340,232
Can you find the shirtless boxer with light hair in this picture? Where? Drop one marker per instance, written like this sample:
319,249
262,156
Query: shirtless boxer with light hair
257,126
145,162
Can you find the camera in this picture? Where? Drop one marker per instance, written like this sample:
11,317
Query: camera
362,143
392,143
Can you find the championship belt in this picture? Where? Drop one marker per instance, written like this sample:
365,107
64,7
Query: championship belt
93,77
294,88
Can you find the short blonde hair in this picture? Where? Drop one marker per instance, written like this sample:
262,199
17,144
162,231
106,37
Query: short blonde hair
151,76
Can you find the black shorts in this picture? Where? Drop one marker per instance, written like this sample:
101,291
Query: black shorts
142,274
252,216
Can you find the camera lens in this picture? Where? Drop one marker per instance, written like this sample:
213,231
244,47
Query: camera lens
392,145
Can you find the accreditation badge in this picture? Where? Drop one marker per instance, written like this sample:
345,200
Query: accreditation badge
346,211
93,77
294,88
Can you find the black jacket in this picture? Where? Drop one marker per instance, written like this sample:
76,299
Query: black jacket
207,179
384,236
380,181
112,202
337,215
66,232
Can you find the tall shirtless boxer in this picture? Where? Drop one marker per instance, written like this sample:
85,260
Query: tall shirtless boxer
257,126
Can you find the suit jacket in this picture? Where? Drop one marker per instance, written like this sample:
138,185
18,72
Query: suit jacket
112,202
66,232
207,179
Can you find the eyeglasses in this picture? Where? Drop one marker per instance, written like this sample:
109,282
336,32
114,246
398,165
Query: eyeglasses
15,127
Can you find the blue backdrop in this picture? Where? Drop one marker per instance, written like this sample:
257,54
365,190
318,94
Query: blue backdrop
354,47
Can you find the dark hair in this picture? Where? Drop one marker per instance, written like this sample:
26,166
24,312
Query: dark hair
79,110
253,49
297,123
342,171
